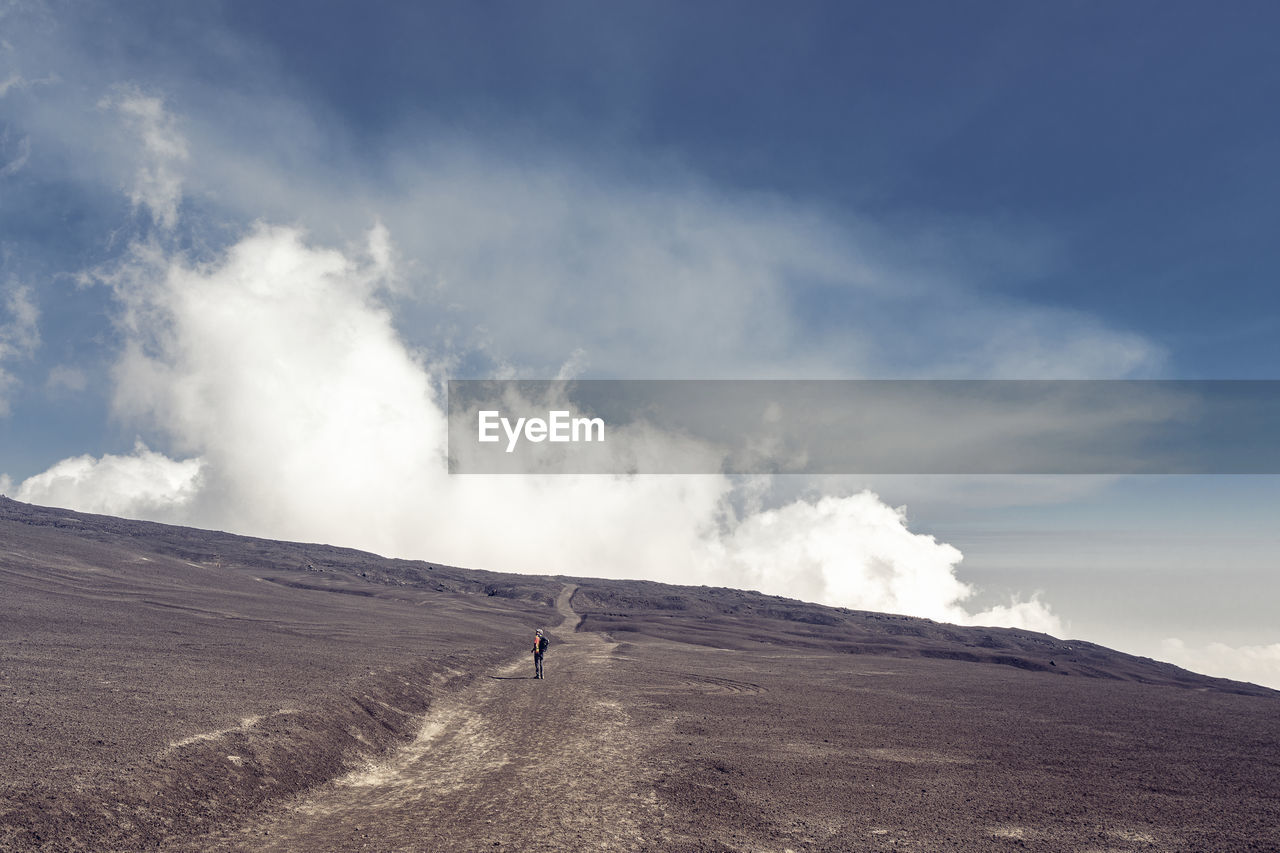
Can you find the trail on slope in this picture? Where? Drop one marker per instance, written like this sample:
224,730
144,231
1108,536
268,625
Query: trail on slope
508,763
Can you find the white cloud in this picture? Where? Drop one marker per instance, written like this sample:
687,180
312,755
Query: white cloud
1255,664
19,336
856,551
278,371
1033,614
144,484
158,180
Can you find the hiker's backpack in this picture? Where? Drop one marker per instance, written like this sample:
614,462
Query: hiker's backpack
542,644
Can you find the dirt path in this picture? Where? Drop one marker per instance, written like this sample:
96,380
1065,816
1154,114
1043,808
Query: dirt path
510,763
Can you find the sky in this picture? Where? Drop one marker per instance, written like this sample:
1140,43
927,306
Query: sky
245,245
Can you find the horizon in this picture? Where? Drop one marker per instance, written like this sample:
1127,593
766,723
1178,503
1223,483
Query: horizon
622,584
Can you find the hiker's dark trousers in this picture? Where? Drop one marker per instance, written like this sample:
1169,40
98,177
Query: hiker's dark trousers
537,664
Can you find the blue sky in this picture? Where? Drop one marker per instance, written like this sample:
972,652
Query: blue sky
645,190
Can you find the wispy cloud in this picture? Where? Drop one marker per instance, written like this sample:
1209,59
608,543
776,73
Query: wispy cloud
621,270
64,377
21,153
157,185
13,81
16,82
19,336
17,152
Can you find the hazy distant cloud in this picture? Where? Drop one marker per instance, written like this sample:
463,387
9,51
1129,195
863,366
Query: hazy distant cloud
995,340
19,335
1256,664
64,377
157,183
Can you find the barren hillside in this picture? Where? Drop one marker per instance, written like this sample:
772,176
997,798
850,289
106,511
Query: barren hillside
170,688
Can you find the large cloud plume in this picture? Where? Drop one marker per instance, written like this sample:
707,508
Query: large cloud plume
277,372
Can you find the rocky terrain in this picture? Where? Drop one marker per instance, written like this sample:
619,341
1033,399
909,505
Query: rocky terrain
163,688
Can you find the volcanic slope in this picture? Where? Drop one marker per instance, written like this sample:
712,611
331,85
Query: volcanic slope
178,689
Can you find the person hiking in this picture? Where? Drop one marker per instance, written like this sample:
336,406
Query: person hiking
539,647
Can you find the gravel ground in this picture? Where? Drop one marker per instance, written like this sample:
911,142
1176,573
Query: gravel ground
183,690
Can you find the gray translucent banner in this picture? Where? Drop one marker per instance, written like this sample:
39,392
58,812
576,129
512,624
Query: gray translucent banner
864,427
